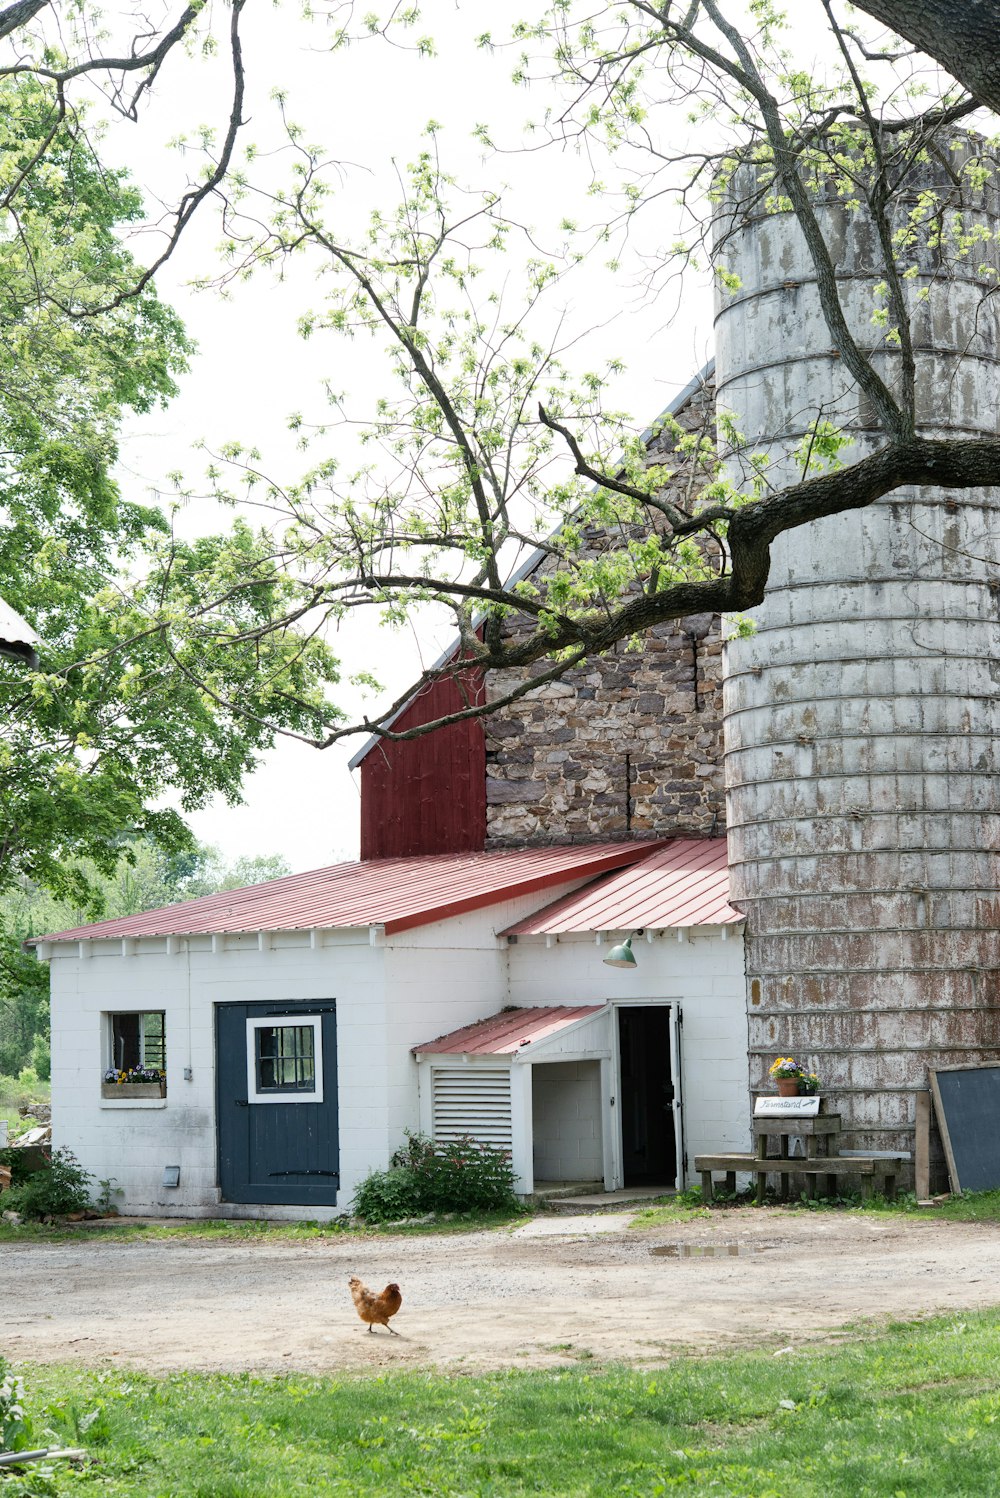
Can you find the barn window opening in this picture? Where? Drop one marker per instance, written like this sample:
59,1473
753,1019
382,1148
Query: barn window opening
138,1040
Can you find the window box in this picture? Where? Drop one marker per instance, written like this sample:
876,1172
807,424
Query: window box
128,1091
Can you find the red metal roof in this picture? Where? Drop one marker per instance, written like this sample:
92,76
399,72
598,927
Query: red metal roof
396,893
684,884
503,1034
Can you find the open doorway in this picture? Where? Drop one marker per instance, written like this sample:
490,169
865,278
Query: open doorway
646,1094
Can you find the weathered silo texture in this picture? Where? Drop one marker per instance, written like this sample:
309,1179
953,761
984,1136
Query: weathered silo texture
862,720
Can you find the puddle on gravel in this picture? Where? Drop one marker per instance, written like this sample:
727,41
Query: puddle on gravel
711,1250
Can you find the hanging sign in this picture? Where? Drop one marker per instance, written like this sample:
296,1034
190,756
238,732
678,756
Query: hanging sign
786,1107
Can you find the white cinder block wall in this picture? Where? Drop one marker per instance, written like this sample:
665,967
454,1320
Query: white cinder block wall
566,1121
439,978
392,994
133,1141
704,974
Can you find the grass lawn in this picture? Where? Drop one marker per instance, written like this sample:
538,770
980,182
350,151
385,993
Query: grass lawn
974,1206
912,1411
127,1229
980,1206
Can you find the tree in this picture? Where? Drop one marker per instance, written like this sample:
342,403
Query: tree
965,39
460,470
118,711
52,62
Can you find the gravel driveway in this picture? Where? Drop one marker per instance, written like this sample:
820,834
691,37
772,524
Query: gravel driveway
552,1291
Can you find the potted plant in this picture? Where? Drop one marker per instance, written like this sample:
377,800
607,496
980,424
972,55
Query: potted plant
808,1084
134,1082
787,1073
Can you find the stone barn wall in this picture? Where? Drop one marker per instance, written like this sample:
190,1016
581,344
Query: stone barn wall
627,745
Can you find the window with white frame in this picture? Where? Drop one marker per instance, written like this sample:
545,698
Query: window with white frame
285,1058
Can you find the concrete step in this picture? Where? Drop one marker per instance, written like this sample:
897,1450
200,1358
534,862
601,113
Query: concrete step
552,1191
605,1201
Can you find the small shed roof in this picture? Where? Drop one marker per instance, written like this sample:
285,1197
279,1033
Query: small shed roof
397,893
684,884
505,1033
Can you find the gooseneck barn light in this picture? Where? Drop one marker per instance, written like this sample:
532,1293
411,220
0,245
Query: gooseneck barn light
621,956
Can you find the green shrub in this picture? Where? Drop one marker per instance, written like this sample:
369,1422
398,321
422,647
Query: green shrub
13,1421
58,1188
387,1195
464,1176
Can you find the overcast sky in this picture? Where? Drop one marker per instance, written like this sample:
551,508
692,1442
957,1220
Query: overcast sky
368,106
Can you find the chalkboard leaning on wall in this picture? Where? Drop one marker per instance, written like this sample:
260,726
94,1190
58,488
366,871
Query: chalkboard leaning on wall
967,1104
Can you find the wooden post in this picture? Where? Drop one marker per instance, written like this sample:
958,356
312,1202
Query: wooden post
761,1176
922,1146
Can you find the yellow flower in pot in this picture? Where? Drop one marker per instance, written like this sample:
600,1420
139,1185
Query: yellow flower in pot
787,1072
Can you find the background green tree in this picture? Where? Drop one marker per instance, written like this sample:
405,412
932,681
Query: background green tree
133,697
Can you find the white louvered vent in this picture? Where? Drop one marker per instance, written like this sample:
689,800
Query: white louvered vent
474,1102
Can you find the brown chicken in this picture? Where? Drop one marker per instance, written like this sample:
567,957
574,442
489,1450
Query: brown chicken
375,1309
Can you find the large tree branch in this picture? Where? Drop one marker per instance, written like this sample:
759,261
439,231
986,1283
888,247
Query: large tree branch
19,14
962,35
916,461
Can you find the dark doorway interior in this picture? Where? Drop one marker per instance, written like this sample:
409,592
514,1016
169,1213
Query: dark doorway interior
649,1154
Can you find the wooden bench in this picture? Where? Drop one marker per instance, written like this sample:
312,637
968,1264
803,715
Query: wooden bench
869,1167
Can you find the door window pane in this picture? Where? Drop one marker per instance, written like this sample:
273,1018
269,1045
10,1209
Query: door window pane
286,1060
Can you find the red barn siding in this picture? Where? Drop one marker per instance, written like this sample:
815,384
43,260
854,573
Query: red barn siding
427,795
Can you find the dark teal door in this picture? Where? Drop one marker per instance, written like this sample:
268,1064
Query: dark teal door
276,1102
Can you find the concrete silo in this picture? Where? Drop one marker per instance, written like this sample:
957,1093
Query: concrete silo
862,720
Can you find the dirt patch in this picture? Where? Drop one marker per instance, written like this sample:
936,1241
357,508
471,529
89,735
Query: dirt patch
521,1298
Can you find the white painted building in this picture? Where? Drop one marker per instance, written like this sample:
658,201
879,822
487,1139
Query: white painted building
298,1019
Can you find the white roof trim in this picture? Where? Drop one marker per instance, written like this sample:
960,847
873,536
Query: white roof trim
536,557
